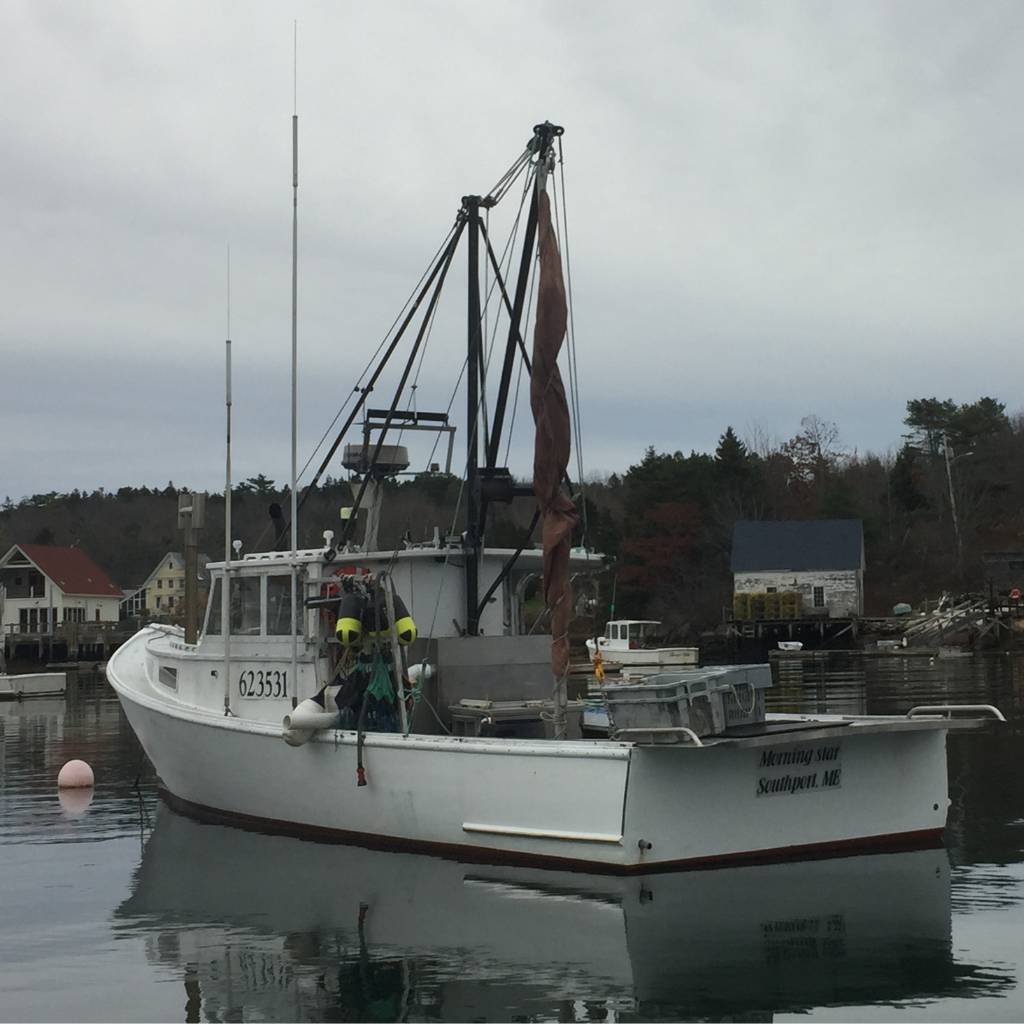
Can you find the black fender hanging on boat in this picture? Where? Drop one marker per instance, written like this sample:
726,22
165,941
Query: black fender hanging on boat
349,629
362,612
404,625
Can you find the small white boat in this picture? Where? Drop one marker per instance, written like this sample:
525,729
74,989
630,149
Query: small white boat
267,718
33,684
791,646
627,642
947,653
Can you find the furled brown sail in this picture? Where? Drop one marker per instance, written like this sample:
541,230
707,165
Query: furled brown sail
553,437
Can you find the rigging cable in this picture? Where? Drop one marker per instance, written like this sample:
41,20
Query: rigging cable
504,264
372,360
506,259
442,274
431,319
438,267
574,384
527,311
497,192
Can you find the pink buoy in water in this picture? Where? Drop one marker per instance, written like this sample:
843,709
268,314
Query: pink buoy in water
75,801
75,775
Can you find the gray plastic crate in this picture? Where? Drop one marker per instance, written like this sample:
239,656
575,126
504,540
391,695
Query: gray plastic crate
708,701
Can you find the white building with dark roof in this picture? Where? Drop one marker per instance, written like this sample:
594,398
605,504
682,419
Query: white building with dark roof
821,559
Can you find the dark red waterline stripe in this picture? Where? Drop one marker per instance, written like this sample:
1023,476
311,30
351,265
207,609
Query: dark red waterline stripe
923,839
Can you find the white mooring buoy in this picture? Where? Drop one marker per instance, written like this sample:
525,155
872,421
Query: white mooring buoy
75,775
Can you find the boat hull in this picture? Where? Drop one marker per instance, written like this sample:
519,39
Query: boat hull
587,805
33,684
829,932
655,657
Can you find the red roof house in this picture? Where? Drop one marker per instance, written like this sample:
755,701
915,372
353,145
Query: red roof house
44,585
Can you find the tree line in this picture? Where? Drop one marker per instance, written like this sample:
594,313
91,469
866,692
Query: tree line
952,489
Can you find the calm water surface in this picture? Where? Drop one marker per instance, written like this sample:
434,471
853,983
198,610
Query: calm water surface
123,910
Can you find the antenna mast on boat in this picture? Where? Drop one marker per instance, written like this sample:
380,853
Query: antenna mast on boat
295,357
225,596
295,291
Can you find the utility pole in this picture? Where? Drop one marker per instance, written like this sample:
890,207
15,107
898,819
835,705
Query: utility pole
952,496
191,518
950,459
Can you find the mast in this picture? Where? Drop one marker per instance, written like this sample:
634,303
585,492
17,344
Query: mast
493,483
486,482
474,526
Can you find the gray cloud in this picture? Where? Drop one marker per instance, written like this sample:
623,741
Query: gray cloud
774,210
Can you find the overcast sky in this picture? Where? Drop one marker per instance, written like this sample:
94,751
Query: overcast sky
775,210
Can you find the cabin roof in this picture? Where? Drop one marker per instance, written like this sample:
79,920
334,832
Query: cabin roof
798,545
71,569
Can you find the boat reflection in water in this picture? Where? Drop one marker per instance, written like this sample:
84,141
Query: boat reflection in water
280,928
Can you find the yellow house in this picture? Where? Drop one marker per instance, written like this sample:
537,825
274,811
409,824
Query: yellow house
163,593
165,588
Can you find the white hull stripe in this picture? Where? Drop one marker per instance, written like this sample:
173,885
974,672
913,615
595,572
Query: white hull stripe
541,833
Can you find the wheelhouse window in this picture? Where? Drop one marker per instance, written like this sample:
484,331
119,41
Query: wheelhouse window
213,611
260,606
636,633
279,605
245,606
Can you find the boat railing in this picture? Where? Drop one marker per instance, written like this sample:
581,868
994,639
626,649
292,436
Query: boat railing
659,734
948,710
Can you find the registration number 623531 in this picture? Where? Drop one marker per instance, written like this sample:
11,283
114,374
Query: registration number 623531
263,683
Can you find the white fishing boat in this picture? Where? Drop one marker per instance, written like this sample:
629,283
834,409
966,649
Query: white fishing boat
629,643
301,709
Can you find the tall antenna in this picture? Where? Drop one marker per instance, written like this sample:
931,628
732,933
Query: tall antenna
225,597
295,360
295,294
227,403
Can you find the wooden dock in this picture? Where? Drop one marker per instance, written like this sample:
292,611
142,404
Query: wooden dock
67,643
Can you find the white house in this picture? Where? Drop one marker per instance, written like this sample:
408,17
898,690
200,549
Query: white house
46,585
821,559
